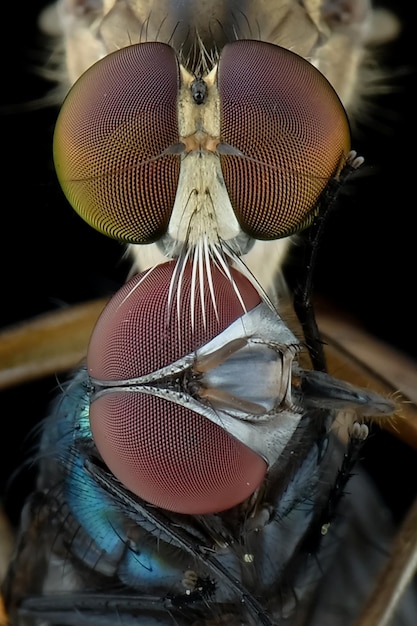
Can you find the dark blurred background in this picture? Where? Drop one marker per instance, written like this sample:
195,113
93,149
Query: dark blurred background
50,258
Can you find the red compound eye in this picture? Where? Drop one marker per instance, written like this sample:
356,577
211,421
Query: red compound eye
164,452
290,129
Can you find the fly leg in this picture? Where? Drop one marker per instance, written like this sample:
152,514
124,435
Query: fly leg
159,524
304,283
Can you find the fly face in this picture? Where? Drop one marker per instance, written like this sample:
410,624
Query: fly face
176,163
188,473
332,37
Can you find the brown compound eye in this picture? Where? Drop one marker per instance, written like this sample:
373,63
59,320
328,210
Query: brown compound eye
288,132
114,143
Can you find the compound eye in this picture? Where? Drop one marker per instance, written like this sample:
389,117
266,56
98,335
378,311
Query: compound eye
160,449
115,140
289,132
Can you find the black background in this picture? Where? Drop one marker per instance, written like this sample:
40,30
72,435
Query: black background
50,258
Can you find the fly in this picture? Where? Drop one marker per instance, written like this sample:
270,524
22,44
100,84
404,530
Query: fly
190,472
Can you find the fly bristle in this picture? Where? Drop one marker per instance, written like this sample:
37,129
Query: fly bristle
201,259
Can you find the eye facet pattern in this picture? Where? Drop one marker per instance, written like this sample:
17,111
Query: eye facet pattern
163,451
113,143
283,135
289,131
